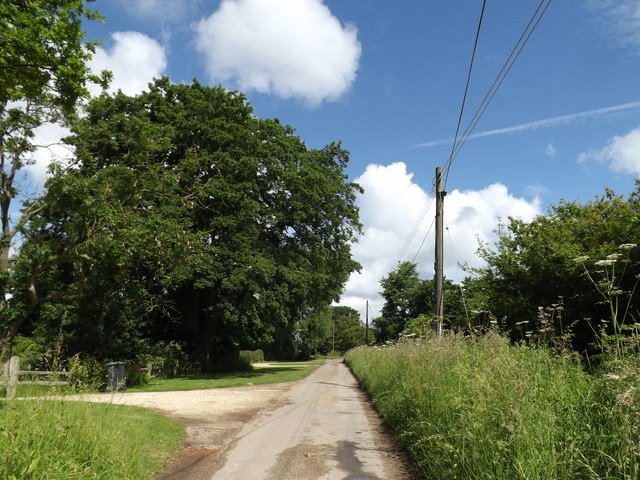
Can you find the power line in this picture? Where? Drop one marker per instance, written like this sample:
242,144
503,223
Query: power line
413,260
495,86
416,225
427,204
497,83
466,88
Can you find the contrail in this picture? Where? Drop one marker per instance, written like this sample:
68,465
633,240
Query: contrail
547,122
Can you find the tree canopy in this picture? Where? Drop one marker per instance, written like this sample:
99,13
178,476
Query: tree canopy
554,264
193,219
408,297
43,74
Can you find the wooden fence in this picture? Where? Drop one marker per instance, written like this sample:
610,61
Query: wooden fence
15,373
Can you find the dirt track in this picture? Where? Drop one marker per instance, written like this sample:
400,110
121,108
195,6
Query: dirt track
321,427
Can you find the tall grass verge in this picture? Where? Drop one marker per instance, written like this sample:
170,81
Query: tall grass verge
56,440
480,408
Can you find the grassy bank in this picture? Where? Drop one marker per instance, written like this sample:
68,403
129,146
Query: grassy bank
482,409
276,372
55,440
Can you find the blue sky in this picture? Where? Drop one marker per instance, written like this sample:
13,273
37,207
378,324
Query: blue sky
387,79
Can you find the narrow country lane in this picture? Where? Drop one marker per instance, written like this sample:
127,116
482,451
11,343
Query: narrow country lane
328,431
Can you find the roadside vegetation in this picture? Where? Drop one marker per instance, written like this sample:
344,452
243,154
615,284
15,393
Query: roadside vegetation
54,439
538,373
482,408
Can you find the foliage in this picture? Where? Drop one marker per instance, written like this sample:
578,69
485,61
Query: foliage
479,407
407,297
532,265
43,53
27,349
86,373
607,276
252,356
43,74
165,359
190,220
315,333
349,330
59,439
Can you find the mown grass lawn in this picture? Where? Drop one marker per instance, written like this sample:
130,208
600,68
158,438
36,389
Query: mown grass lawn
279,372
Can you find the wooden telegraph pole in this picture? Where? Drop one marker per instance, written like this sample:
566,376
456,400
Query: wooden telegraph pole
439,260
366,332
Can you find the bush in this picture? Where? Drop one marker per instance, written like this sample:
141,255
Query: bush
166,359
136,375
252,356
86,373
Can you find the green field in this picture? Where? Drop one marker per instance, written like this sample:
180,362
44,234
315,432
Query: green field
279,372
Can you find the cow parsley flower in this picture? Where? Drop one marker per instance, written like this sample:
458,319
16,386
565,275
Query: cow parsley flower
605,263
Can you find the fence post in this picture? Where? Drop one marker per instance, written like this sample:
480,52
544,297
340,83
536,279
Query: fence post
14,367
4,372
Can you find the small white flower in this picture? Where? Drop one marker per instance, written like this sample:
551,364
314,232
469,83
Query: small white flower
627,246
581,259
605,263
614,256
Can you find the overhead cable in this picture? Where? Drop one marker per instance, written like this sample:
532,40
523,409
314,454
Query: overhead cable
540,11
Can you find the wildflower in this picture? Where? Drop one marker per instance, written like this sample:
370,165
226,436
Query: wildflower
605,263
626,398
581,259
614,256
627,246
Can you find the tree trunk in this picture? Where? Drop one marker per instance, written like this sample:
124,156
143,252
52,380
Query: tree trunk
199,336
7,336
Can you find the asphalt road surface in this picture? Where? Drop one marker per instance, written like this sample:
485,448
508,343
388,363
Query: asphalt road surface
326,431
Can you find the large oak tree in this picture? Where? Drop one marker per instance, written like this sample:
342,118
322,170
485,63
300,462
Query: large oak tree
208,224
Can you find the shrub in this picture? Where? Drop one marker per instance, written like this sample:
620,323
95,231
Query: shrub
252,356
86,373
167,359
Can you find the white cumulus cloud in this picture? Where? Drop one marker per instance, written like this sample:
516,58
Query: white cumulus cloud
288,48
622,153
134,59
389,208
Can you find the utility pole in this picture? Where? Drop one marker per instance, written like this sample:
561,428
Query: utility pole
366,316
439,260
